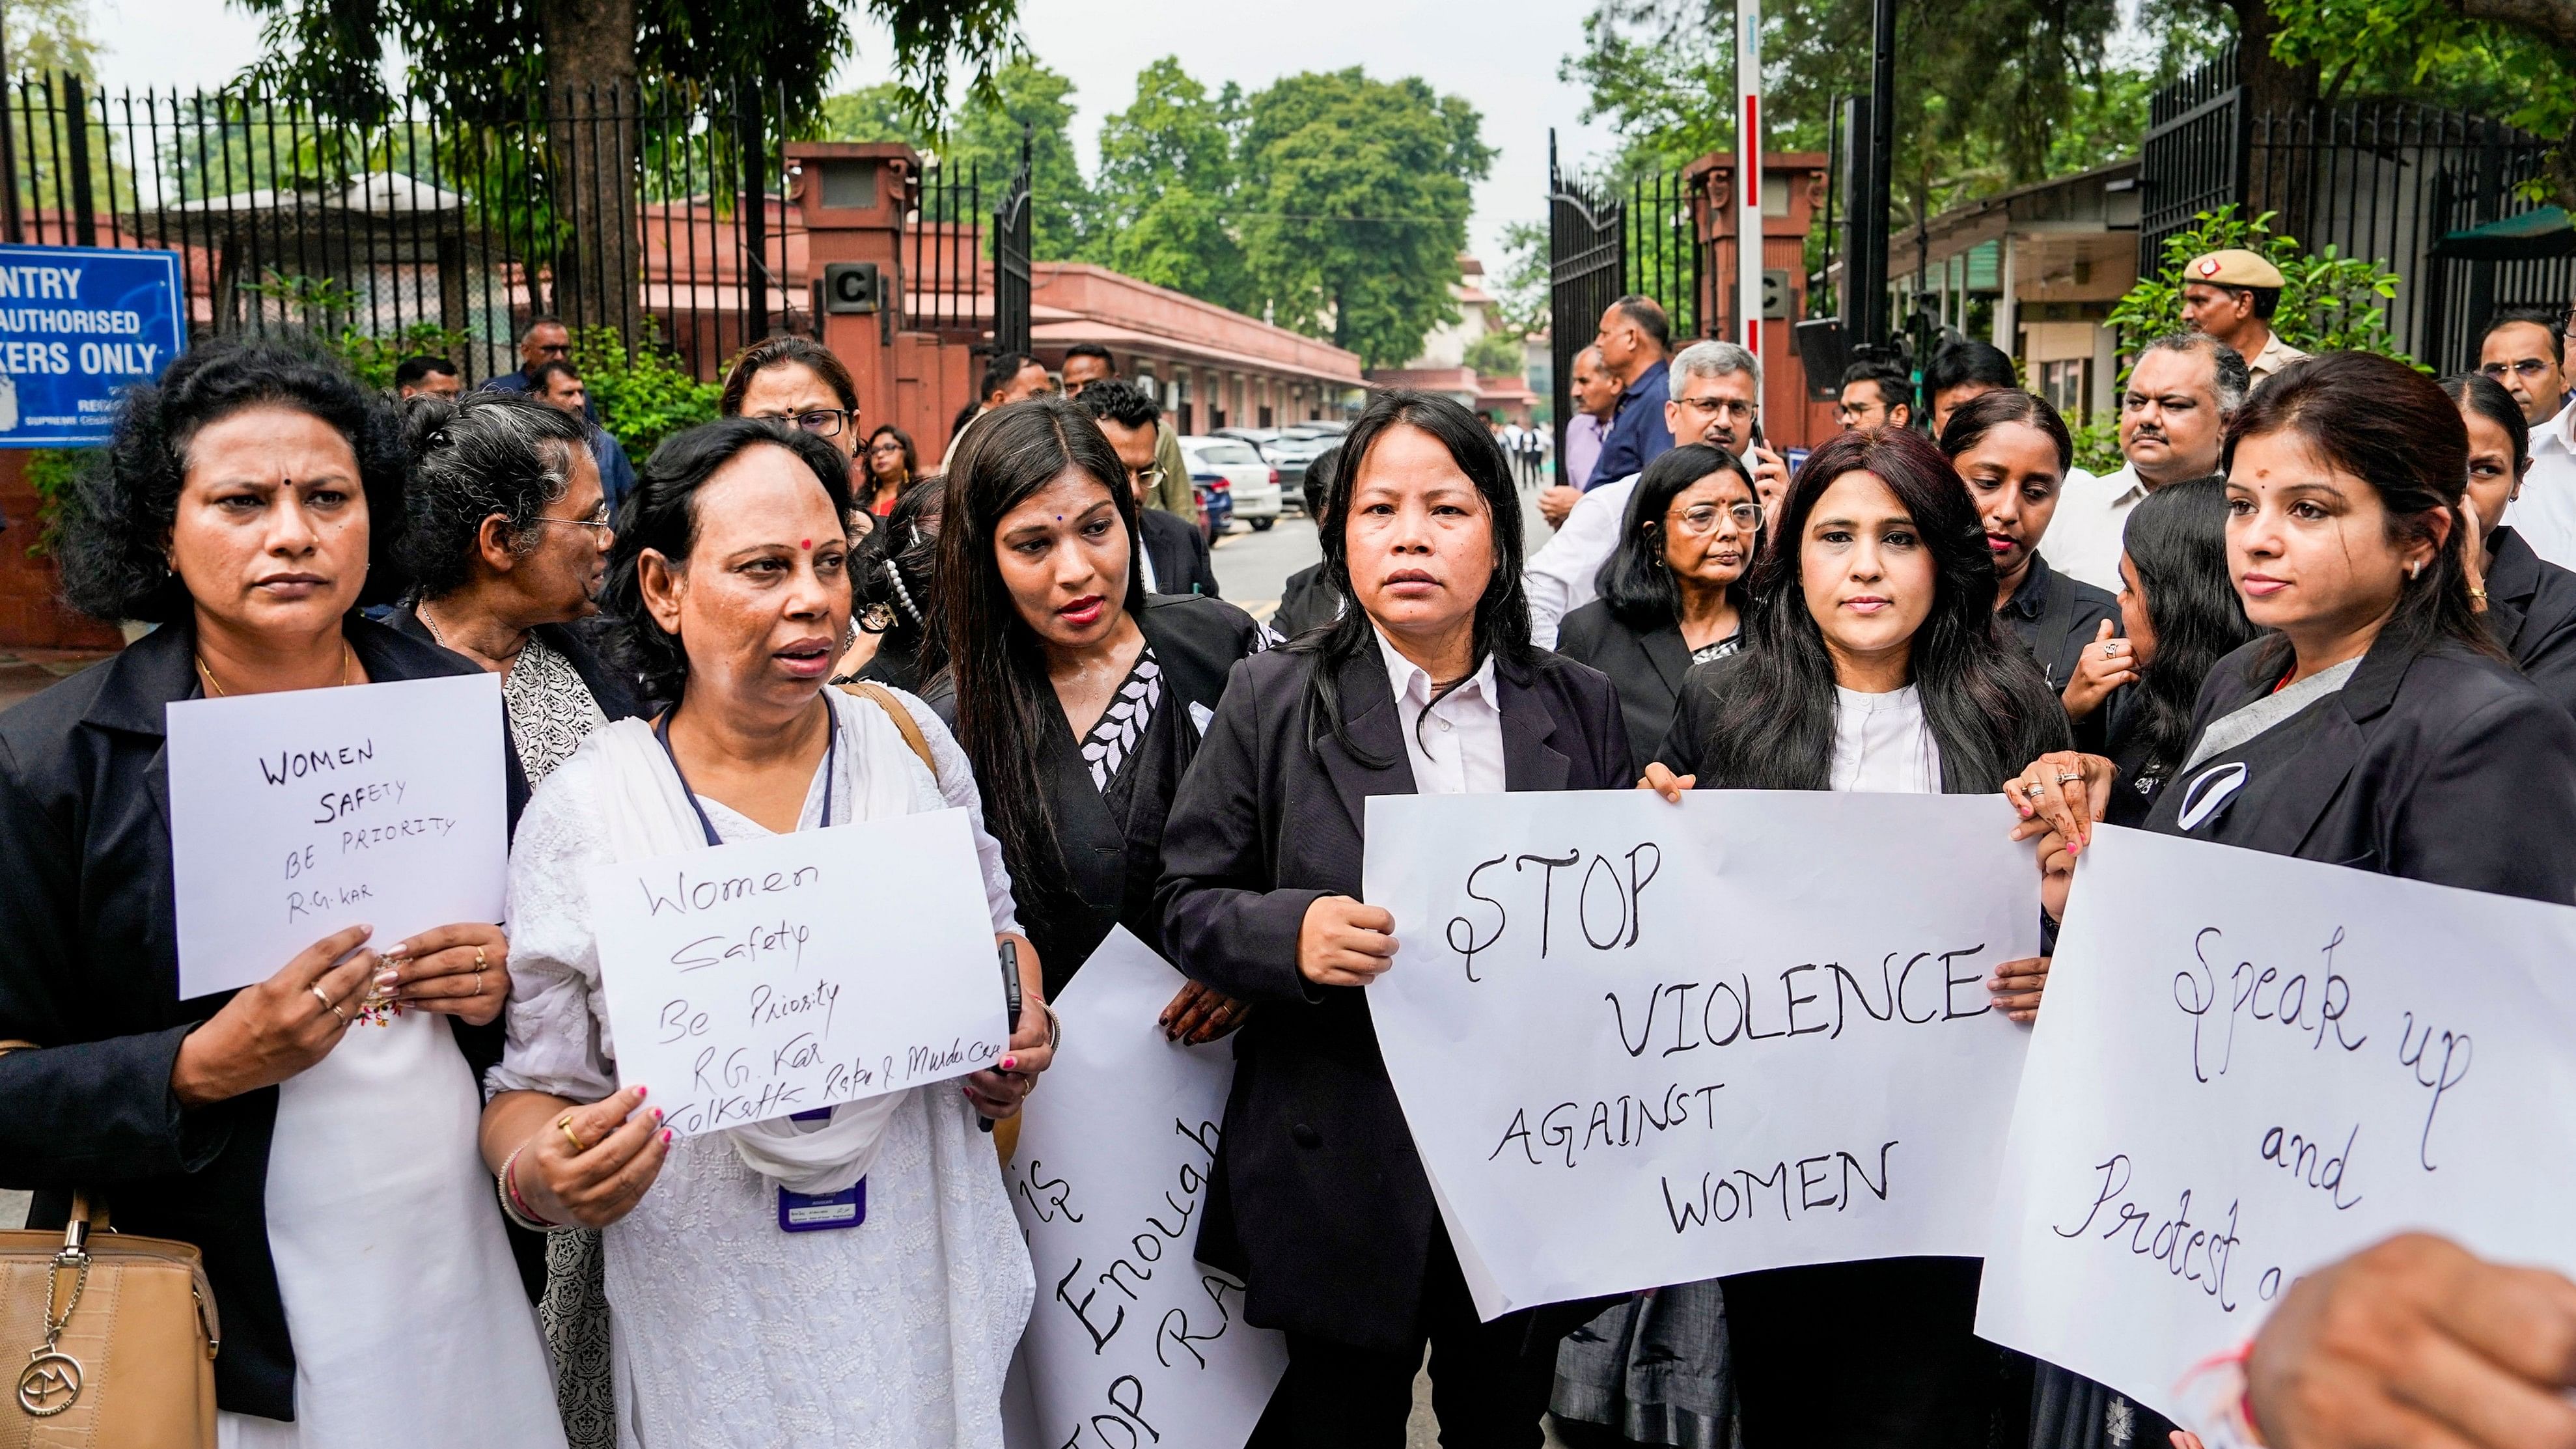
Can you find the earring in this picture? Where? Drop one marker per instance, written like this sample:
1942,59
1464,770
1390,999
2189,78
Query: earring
2415,570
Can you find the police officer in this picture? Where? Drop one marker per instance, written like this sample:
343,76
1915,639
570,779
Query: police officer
2231,295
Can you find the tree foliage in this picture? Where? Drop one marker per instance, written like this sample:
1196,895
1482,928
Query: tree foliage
1497,354
2514,62
2330,303
1355,198
1167,183
477,57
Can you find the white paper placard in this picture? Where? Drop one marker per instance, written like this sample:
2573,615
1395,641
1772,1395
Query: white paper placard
295,814
766,977
1640,1043
2247,1066
1132,1338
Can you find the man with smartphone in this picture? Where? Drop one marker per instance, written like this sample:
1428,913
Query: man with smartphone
1715,398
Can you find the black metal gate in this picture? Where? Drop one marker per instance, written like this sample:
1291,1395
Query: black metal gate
1011,261
1587,270
2194,156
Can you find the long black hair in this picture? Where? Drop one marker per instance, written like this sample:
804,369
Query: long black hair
1502,627
1970,421
2487,396
894,576
2176,539
1006,706
661,514
2392,427
1634,580
1989,709
113,548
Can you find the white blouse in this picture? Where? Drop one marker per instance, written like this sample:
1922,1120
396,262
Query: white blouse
894,1334
1882,743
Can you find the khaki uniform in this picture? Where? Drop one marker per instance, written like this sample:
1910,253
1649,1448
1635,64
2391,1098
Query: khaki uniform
2276,354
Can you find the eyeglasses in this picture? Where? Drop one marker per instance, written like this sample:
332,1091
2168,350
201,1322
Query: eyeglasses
597,521
2530,368
889,446
821,422
1709,407
1702,519
1850,413
1148,479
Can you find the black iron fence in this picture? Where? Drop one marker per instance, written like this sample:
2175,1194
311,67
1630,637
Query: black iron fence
1606,240
660,216
2379,182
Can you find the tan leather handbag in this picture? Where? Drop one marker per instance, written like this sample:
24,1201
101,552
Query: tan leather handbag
119,1336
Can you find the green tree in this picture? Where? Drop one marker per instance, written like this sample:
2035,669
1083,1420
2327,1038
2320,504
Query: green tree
2330,303
1522,285
491,61
1497,354
986,136
1168,179
1354,204
45,36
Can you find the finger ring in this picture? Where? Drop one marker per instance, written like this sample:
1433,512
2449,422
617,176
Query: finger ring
2111,650
2032,789
478,978
319,996
2070,777
480,965
563,1124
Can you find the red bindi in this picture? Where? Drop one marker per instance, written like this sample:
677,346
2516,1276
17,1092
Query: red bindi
804,543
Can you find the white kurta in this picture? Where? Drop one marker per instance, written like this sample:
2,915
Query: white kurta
411,1328
727,1331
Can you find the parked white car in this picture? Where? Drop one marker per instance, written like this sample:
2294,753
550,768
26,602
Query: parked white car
1254,483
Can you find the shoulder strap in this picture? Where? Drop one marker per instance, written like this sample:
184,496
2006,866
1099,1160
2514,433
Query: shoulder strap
883,698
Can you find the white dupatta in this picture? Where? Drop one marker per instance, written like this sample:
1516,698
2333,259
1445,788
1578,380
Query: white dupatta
649,814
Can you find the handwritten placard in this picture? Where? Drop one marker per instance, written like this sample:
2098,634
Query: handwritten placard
295,814
767,977
2247,1066
1132,1340
1640,1043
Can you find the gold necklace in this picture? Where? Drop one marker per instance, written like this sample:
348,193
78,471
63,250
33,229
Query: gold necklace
347,658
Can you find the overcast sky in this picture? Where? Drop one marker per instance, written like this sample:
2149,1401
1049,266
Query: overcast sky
1500,54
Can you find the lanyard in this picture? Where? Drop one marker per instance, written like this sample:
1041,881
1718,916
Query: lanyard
831,754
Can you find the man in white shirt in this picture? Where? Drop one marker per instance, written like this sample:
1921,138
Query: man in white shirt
2544,513
2173,421
1716,399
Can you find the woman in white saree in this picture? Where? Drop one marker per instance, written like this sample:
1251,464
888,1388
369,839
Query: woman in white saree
730,576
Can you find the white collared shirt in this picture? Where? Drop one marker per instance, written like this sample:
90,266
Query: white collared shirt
1458,748
2084,538
1882,743
1559,578
2545,514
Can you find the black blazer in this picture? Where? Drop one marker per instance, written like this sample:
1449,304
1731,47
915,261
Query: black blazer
1179,552
608,688
2442,766
2531,610
1647,667
89,969
1305,601
1317,1197
2055,615
1113,864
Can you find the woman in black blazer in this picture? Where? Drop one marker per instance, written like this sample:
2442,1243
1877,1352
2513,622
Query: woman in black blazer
2530,602
245,503
2379,726
1317,1197
1672,592
2013,451
1874,665
1078,699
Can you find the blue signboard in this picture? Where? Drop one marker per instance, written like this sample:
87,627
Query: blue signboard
76,324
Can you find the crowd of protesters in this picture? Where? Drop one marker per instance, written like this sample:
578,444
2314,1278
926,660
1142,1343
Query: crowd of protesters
2335,581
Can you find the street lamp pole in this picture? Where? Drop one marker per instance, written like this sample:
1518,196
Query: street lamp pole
1867,269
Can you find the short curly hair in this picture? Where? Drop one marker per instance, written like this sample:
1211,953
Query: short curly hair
116,519
662,515
481,454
